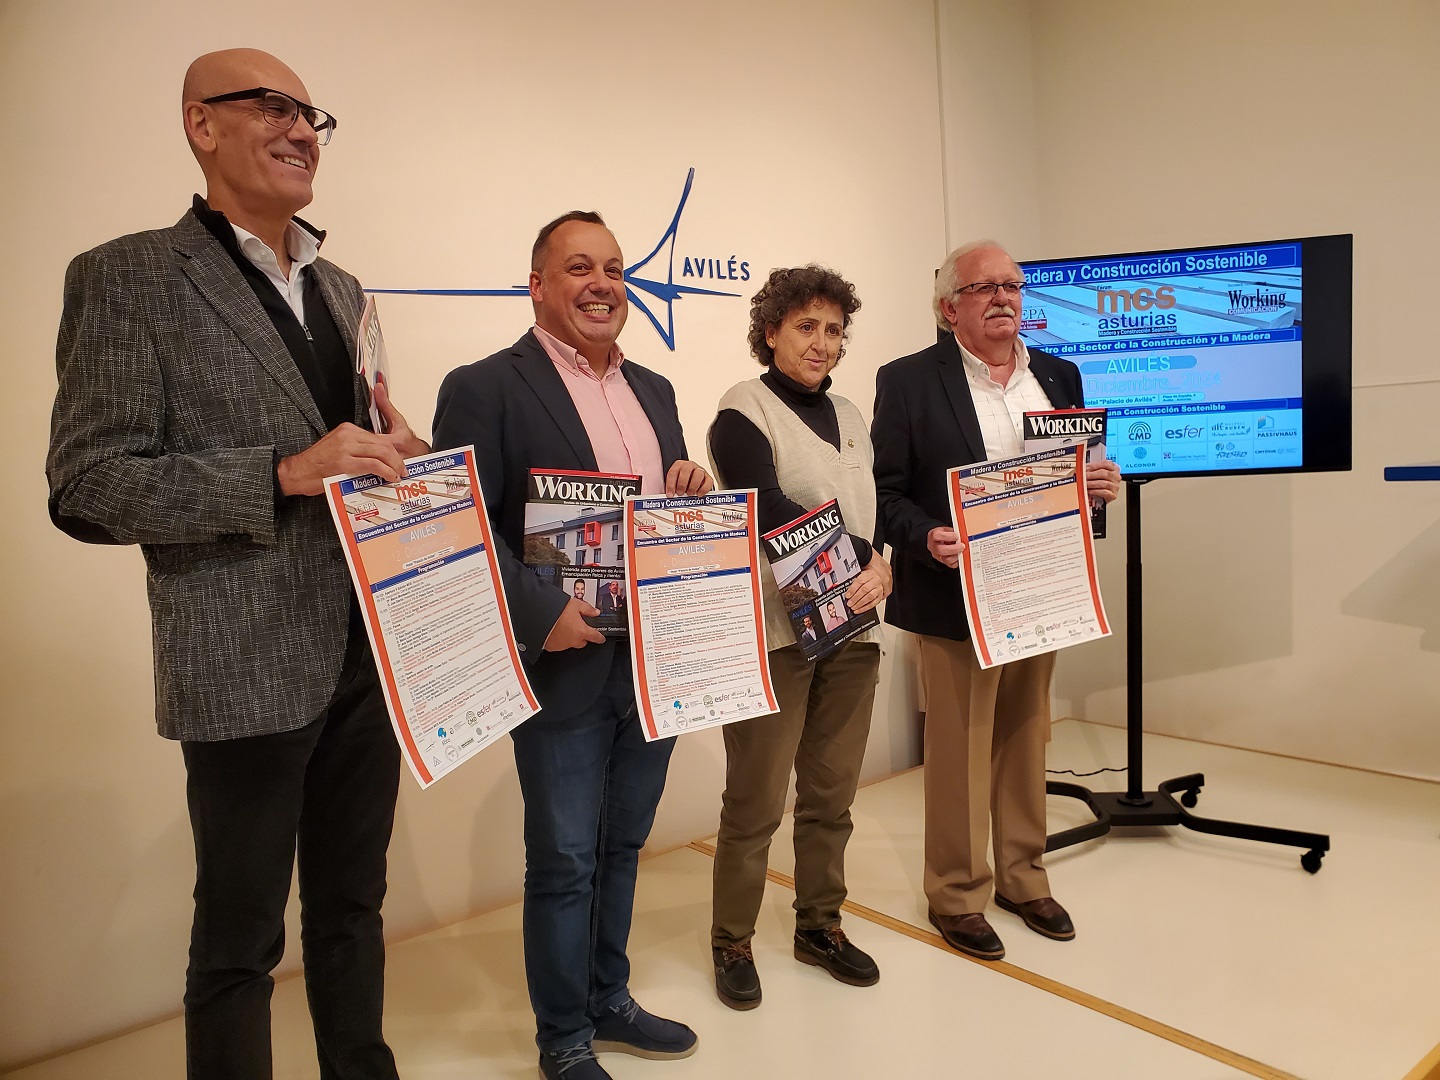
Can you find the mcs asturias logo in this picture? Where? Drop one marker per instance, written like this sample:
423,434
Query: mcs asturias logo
644,277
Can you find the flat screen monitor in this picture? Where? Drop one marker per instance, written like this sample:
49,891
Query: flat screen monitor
1210,360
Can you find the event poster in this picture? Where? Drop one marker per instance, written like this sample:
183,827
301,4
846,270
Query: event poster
697,638
574,539
814,562
424,567
1028,561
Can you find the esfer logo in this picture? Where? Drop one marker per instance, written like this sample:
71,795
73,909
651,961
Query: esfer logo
644,277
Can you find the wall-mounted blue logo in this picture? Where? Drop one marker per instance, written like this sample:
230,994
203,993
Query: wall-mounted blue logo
641,277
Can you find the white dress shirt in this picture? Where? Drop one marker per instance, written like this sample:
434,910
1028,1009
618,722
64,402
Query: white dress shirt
304,249
1001,409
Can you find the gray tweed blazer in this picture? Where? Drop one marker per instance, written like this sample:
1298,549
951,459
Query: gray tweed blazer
176,395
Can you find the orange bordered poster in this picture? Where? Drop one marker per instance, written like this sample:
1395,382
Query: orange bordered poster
1028,561
422,560
697,625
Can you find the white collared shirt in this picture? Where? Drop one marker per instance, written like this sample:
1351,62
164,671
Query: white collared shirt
1001,409
304,249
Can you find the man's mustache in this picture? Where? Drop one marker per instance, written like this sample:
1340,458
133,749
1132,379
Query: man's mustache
1000,309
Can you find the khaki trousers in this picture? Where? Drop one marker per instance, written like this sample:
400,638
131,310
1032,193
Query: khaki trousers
821,729
985,736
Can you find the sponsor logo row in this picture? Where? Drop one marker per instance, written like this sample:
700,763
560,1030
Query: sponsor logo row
1220,455
1262,427
1236,441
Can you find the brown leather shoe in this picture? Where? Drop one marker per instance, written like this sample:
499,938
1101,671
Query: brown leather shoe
970,934
1044,916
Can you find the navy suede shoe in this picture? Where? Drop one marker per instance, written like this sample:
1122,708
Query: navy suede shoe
628,1029
571,1063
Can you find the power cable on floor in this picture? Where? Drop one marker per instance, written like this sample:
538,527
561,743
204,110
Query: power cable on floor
1072,772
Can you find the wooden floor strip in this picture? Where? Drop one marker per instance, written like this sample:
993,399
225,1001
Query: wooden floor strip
1069,993
1428,1069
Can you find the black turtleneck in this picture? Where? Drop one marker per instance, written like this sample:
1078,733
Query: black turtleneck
745,458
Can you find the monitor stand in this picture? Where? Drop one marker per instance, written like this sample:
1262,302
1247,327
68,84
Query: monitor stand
1168,804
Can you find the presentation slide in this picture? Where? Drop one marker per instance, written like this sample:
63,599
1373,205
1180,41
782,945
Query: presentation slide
1196,354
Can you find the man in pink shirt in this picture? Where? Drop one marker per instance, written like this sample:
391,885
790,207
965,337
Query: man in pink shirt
565,397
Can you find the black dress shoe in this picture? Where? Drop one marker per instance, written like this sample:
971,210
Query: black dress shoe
971,934
736,980
1044,916
830,949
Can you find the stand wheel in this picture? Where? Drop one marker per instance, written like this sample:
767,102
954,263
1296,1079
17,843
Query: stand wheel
1190,798
1311,861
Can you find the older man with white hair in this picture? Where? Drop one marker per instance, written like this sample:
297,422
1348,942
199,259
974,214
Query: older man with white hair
958,402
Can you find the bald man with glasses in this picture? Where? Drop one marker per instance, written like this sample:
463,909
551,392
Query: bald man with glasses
958,402
206,388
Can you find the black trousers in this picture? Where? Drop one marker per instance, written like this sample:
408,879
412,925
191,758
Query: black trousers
327,792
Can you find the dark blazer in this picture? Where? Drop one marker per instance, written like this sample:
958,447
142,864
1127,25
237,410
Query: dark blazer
925,423
516,410
176,395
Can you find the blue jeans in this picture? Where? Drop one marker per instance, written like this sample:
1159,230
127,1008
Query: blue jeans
591,784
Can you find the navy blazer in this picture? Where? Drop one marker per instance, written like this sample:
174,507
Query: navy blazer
925,423
515,408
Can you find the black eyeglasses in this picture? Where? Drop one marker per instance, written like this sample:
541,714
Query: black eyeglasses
280,110
988,289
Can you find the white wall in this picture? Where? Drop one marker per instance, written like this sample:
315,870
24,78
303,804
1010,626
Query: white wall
988,106
1294,614
813,127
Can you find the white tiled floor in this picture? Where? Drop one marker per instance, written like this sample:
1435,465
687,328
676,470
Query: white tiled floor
1330,977
457,1008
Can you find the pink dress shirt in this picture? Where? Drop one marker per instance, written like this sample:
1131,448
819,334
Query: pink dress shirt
616,424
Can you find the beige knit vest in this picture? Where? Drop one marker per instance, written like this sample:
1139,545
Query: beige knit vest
811,473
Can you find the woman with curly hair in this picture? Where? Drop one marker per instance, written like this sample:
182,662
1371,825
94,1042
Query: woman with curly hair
799,446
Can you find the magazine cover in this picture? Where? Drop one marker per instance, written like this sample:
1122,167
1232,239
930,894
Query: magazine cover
814,562
371,361
574,538
1066,427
